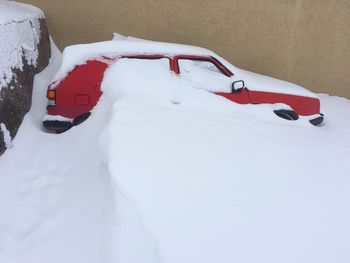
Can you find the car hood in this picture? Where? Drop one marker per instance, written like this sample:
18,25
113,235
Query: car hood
258,82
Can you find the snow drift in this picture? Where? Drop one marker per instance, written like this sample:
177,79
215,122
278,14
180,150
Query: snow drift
206,180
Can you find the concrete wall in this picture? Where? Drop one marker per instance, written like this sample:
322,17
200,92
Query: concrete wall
303,41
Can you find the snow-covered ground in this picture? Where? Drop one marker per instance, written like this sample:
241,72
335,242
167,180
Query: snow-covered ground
162,172
54,197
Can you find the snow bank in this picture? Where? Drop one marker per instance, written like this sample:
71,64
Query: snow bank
207,180
55,199
130,80
20,35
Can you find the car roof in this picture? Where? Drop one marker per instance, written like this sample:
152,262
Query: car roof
77,54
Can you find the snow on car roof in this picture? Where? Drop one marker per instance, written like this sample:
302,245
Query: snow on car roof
78,54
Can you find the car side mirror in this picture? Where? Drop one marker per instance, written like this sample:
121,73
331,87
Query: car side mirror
238,85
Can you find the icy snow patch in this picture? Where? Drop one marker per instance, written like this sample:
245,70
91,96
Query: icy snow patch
20,35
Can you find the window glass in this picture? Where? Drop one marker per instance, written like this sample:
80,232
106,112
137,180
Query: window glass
203,74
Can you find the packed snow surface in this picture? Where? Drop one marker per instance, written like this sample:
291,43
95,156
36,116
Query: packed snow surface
120,45
165,172
20,34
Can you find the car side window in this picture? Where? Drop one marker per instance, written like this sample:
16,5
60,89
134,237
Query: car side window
204,74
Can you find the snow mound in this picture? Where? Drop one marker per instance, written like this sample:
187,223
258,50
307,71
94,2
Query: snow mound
207,180
20,35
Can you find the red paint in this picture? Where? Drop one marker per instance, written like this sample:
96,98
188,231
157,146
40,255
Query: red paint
82,99
241,97
80,91
300,104
77,88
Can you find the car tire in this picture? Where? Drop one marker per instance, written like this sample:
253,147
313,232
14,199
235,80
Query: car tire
287,114
317,121
80,119
57,126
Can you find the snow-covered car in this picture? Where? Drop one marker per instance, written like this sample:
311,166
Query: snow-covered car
75,89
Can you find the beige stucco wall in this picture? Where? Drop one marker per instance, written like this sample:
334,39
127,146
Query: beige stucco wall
303,41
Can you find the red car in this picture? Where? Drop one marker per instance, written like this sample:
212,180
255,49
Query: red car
76,88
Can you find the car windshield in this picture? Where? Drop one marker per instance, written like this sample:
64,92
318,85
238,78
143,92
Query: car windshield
203,74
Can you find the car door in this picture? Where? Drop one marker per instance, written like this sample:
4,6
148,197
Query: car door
209,74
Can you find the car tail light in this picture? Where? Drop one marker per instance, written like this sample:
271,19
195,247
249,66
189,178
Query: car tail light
51,95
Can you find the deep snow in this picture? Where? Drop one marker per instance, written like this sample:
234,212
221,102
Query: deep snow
163,172
214,181
55,199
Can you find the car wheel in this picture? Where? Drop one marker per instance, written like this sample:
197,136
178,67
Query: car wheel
317,121
80,119
287,114
57,126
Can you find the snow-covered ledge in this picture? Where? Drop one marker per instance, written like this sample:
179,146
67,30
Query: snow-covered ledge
24,51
